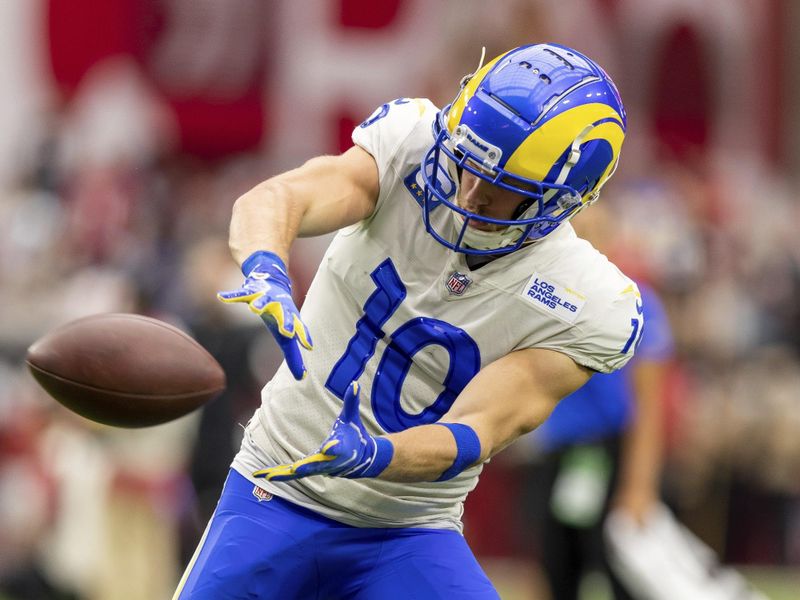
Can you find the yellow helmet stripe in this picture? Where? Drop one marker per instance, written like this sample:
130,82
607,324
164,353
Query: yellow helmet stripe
537,154
466,93
613,134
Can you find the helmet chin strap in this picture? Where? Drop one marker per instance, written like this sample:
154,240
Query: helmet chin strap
487,240
572,160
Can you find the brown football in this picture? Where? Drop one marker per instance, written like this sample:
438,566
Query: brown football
125,370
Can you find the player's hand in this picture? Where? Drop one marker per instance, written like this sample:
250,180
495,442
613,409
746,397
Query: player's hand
268,292
348,451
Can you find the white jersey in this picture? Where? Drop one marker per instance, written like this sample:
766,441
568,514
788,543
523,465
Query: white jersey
406,317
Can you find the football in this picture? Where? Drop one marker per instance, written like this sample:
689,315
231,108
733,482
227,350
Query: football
125,370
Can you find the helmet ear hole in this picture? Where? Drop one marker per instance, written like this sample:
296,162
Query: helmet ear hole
596,157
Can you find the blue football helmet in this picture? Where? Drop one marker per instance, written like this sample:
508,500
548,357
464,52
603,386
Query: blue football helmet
543,121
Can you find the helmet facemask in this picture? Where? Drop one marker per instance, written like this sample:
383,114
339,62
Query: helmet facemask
543,207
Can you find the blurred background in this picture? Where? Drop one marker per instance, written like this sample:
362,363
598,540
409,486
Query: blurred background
129,127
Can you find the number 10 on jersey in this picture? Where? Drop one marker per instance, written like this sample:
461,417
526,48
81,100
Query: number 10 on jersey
406,341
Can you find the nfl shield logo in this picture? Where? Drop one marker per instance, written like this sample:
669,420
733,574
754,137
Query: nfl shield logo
458,283
261,494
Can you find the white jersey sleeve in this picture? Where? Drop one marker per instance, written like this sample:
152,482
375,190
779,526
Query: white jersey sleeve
608,341
602,306
392,135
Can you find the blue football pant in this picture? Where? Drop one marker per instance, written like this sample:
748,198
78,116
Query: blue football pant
275,549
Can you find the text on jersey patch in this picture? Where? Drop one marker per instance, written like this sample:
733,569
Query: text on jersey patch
548,295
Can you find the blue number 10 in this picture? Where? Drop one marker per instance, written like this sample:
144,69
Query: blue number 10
396,361
637,330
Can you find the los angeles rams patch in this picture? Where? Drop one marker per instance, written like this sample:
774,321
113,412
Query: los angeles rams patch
564,303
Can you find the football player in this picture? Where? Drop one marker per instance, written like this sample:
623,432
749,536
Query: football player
451,312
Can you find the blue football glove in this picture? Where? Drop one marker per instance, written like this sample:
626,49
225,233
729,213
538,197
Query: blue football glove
348,451
268,292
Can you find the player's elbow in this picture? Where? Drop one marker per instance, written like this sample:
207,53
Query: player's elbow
525,421
254,200
497,435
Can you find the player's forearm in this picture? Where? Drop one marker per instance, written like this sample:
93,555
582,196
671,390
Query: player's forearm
641,463
323,195
265,218
502,402
641,459
421,453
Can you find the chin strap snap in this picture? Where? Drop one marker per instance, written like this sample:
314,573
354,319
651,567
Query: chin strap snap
572,160
574,155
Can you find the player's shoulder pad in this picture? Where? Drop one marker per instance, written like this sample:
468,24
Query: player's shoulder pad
580,286
400,109
393,126
613,326
599,307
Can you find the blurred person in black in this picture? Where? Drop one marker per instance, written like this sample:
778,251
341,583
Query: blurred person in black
596,495
602,447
